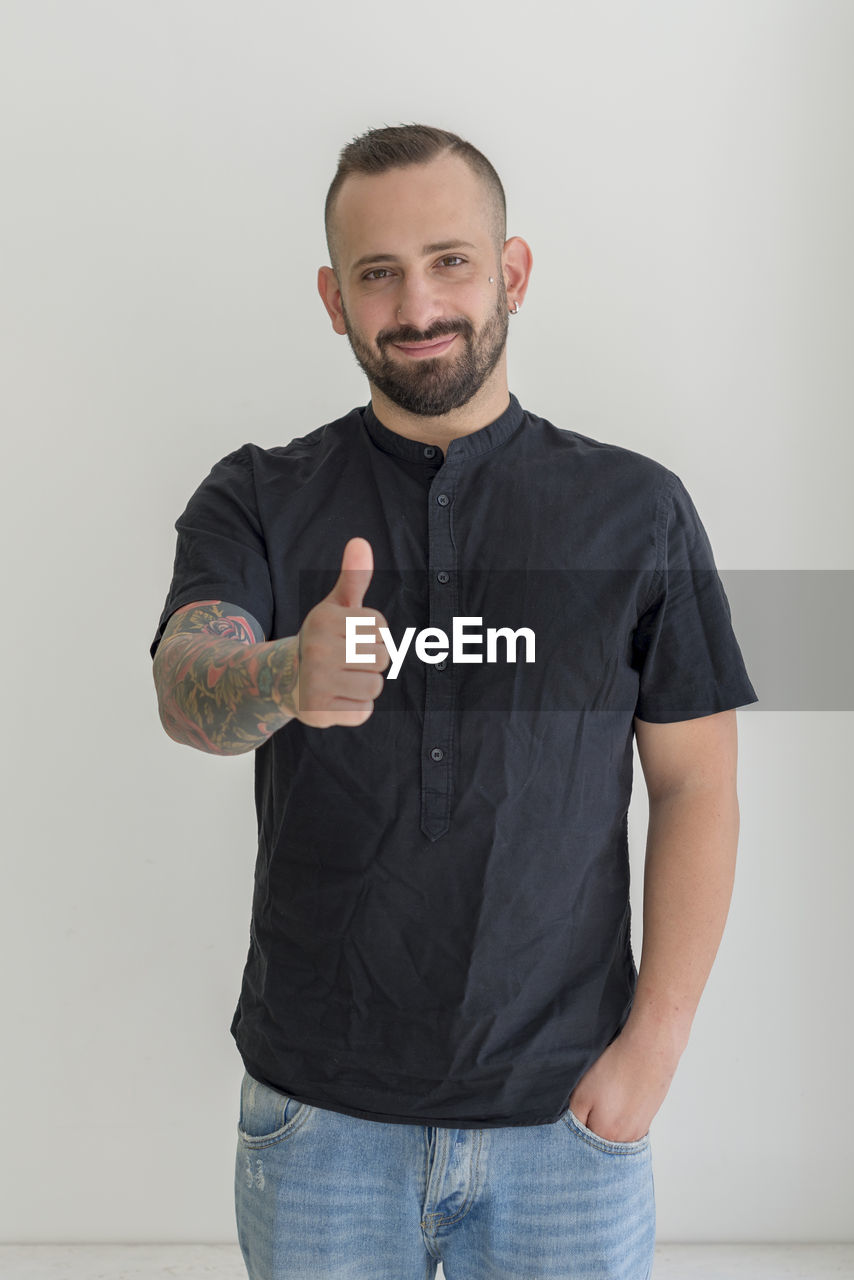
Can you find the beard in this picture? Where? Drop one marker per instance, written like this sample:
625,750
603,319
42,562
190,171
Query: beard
433,386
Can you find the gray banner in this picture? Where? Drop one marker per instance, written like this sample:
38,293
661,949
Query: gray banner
795,629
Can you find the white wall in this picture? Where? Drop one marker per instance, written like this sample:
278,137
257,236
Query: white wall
683,174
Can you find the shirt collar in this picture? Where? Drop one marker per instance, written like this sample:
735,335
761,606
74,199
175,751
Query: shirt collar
469,446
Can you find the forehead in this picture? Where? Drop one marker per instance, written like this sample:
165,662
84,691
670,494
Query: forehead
403,209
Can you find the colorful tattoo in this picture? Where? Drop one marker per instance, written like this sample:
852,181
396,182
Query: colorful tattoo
221,688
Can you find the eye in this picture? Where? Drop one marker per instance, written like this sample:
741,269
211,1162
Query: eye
378,273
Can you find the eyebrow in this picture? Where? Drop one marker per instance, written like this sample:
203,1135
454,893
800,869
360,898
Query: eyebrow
426,251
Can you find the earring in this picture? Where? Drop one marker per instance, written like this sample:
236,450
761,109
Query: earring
491,281
515,310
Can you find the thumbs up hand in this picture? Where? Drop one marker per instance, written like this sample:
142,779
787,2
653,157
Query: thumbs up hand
329,690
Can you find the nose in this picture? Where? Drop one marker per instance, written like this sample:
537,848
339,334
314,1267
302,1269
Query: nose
420,305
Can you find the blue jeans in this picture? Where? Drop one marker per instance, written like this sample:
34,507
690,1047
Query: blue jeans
324,1196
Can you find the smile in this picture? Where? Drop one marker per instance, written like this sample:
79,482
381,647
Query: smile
417,350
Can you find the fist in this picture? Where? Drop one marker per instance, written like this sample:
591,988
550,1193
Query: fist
328,689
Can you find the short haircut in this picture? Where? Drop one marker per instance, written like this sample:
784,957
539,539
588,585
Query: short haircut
396,147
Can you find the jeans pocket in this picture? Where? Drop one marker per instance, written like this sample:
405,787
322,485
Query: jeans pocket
604,1144
266,1115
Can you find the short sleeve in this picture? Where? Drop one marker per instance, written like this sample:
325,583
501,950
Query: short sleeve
221,552
684,647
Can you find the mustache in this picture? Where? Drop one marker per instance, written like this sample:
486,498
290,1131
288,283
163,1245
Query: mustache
442,329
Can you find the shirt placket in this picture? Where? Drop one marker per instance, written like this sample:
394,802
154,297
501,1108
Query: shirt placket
438,739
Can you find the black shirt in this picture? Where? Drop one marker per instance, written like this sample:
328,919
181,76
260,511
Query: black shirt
440,928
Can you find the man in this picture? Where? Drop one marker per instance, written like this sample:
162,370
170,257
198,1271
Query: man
449,1052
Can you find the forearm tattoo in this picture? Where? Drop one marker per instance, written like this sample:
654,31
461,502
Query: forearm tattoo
221,688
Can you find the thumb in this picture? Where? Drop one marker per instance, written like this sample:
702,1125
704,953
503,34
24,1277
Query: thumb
357,567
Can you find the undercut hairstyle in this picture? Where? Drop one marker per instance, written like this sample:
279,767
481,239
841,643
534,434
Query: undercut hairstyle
396,147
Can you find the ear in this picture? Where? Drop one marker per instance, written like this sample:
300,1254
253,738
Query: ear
516,263
330,293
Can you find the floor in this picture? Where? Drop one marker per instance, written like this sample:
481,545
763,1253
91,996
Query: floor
223,1262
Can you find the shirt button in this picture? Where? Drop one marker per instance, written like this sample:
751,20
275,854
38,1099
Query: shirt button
429,451
443,576
440,666
443,499
436,753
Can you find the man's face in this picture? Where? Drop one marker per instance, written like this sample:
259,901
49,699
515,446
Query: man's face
393,293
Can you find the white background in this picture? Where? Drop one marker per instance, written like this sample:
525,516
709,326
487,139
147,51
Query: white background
683,174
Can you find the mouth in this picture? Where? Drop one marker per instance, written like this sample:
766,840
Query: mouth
418,350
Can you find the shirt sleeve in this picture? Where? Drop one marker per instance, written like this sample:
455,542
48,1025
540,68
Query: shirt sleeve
221,552
684,647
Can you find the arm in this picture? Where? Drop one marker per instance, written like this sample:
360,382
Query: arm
690,771
220,688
